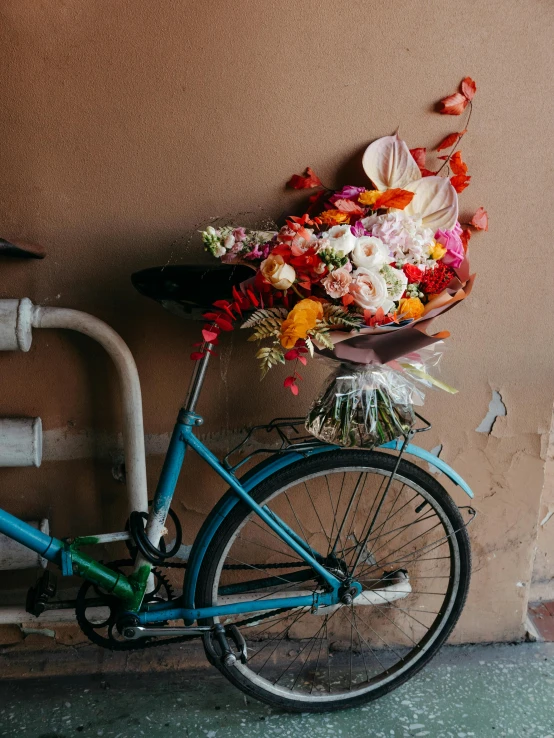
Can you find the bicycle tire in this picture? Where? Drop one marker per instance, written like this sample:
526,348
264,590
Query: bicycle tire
313,468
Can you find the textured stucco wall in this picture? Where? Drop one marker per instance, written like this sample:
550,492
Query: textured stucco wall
126,125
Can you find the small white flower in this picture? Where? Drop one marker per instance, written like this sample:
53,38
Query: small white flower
370,252
396,280
229,241
341,239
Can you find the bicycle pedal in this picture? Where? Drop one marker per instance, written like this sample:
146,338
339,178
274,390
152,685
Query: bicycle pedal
225,655
238,640
40,593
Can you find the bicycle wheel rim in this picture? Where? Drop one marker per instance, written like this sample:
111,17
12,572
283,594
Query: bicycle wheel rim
407,662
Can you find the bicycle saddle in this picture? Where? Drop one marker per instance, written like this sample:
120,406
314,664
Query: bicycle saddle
21,249
188,291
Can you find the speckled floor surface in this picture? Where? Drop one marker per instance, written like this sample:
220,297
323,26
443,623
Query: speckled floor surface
467,691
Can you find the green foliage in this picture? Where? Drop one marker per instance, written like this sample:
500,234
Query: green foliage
332,259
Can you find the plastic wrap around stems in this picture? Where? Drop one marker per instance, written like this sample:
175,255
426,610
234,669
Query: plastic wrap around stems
366,405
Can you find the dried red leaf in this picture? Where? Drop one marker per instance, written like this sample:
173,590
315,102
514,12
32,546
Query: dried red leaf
209,335
307,181
456,164
349,207
196,355
456,104
465,235
480,220
460,182
450,140
394,198
347,300
469,88
223,323
292,354
453,104
252,297
302,360
294,389
420,156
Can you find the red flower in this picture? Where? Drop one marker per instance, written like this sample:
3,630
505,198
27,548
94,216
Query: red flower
309,267
435,280
413,273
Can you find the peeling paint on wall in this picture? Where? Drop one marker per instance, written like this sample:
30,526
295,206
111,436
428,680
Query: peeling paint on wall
497,408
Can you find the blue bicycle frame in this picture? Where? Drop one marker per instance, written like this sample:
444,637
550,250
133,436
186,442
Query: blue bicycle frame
131,589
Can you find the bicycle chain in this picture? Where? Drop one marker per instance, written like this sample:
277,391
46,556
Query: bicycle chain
139,645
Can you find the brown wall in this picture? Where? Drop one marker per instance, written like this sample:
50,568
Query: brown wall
127,125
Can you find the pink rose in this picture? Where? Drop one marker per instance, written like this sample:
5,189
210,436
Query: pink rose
337,283
452,242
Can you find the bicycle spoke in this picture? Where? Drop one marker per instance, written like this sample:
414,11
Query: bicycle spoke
381,525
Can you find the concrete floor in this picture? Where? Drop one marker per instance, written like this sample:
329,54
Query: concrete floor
467,691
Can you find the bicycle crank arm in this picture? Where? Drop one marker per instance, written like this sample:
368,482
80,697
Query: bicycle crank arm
133,633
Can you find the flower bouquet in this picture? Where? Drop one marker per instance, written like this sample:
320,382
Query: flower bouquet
359,278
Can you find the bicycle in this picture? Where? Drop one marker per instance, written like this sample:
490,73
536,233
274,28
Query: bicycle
322,579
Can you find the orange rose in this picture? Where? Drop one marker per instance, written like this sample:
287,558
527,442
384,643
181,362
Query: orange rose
410,307
301,319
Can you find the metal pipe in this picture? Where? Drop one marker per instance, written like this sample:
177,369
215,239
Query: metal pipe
13,615
133,427
197,380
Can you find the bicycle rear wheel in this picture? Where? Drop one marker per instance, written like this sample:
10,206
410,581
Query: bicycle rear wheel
414,567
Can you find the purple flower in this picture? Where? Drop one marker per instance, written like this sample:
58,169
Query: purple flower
254,254
452,242
239,234
358,229
348,192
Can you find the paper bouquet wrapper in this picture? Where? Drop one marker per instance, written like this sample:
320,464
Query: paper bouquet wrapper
381,345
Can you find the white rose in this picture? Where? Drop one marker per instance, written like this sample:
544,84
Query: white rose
219,251
370,252
369,290
341,239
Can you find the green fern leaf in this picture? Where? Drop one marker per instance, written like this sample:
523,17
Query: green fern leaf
321,335
268,357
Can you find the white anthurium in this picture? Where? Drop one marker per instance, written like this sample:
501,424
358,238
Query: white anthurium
388,163
435,201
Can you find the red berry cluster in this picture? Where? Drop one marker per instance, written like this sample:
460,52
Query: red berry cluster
435,280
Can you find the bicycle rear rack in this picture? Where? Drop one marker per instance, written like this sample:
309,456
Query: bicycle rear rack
289,434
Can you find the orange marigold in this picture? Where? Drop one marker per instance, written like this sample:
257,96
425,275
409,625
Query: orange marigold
334,217
369,197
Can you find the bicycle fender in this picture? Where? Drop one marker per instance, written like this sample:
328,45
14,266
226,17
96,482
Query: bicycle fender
433,460
260,472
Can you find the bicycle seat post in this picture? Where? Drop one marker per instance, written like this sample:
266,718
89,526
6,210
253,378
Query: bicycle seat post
197,381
